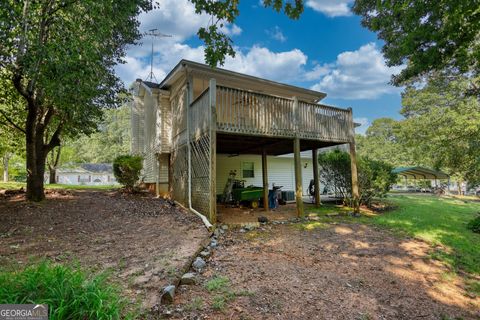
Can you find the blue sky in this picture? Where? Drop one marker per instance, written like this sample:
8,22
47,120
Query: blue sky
327,50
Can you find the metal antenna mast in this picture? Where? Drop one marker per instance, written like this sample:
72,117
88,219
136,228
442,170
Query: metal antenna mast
154,33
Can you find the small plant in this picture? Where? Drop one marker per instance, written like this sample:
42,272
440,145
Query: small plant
474,225
127,169
219,302
473,287
195,305
218,284
69,293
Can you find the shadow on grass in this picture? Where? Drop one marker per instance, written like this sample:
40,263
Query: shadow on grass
441,222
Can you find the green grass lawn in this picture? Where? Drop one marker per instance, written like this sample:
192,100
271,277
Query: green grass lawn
18,185
442,222
439,221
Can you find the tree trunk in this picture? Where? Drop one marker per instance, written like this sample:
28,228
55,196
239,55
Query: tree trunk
53,164
53,175
36,155
6,159
35,169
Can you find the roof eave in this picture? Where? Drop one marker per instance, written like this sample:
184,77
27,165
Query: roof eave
314,96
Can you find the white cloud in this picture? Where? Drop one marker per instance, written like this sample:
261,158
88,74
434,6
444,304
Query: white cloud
360,74
178,19
316,73
331,8
277,34
262,62
285,66
175,17
231,30
364,124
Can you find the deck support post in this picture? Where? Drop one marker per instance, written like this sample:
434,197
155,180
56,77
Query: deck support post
265,180
353,166
355,191
213,150
316,178
298,177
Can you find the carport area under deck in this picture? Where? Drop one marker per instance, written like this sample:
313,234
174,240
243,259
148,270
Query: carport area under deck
239,144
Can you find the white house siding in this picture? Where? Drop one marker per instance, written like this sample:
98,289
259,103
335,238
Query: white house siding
137,123
280,171
150,165
88,179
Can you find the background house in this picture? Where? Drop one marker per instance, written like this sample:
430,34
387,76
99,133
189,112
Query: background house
85,174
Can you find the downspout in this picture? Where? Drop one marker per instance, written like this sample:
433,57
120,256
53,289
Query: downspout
205,221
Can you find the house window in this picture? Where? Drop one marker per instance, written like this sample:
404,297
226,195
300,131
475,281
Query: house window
248,170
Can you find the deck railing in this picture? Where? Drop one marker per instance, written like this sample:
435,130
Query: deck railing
247,112
199,115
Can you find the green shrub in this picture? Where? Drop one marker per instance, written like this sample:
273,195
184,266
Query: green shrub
217,284
69,293
375,178
474,225
127,169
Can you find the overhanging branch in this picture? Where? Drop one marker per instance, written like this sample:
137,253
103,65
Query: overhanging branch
11,122
55,139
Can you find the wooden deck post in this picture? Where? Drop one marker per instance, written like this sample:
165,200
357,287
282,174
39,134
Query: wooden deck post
297,161
355,191
353,165
265,180
316,178
298,177
213,150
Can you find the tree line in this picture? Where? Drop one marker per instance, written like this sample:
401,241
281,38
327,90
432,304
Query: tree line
440,129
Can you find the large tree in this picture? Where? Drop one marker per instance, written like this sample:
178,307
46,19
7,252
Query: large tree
427,36
381,142
59,56
110,141
442,126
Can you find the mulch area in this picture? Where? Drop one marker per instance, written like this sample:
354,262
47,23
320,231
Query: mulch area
143,241
335,271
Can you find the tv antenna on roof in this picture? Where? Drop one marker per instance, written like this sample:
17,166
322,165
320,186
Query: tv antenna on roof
154,33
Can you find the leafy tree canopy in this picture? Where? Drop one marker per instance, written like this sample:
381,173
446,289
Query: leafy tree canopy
442,126
381,143
111,140
426,35
59,56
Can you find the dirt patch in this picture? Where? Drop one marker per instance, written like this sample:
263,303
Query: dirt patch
341,271
142,240
234,215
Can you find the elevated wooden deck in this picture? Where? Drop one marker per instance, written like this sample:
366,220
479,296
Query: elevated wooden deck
235,121
251,113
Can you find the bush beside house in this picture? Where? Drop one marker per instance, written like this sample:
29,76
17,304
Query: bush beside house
127,169
375,178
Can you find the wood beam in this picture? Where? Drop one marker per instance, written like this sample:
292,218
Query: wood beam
262,146
316,177
353,164
265,179
213,150
355,191
298,177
